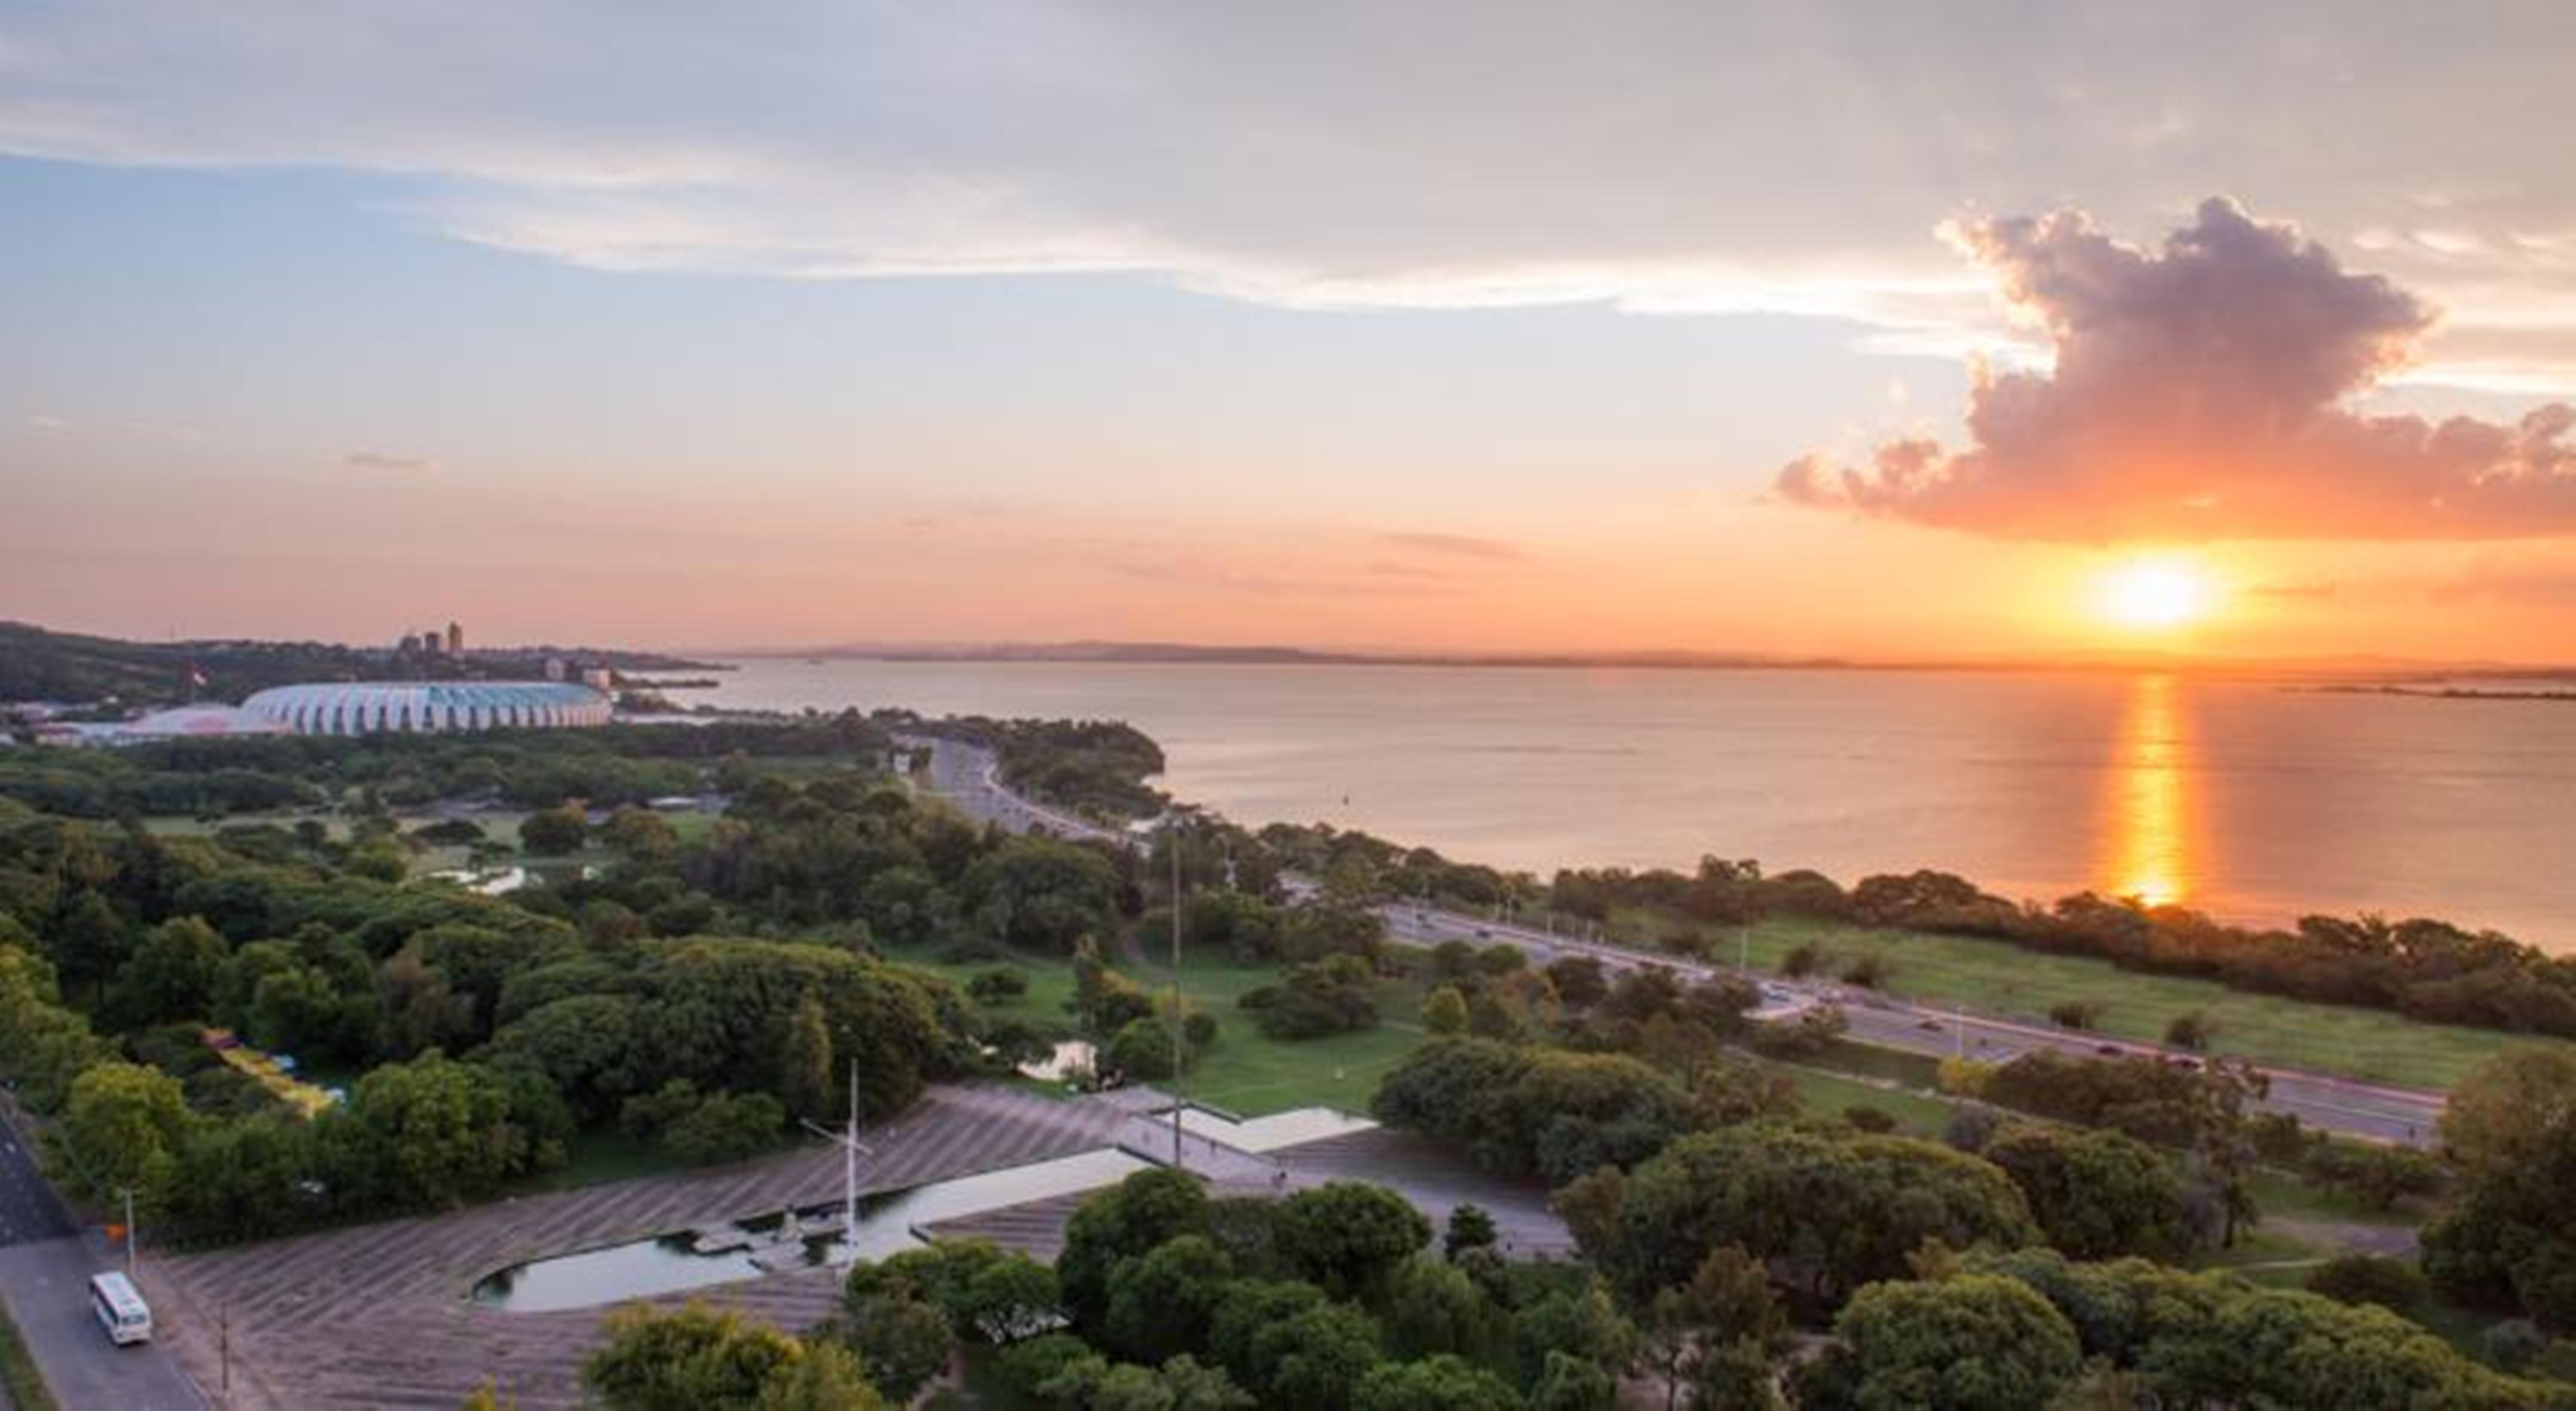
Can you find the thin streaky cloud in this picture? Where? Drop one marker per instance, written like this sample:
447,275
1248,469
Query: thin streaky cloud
378,460
1468,546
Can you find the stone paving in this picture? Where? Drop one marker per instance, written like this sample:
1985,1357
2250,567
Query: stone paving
377,1315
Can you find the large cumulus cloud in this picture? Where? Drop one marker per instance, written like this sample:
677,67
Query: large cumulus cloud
2203,391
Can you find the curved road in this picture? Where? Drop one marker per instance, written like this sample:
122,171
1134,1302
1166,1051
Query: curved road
965,775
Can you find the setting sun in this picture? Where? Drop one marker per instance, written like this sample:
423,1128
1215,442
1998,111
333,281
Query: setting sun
2156,594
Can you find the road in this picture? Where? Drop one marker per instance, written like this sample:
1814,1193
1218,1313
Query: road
965,776
2374,1111
45,1264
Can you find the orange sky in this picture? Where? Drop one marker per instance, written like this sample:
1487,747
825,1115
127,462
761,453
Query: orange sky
1830,330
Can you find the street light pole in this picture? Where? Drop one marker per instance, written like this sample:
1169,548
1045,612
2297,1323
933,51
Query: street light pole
129,1231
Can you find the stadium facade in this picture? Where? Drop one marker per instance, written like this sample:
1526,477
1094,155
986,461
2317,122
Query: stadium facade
420,707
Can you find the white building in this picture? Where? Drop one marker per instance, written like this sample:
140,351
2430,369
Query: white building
414,707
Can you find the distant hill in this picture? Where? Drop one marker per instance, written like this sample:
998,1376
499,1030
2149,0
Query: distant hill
2292,668
38,665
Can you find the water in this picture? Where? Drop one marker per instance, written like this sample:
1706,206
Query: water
2247,800
669,1264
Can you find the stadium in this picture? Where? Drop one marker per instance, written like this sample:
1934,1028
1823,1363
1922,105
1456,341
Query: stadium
419,707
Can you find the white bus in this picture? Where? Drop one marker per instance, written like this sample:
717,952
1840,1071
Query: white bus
119,1308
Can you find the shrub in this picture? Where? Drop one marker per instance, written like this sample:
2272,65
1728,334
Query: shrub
1870,972
1803,959
2393,1284
2192,1030
995,986
1868,1119
2075,1013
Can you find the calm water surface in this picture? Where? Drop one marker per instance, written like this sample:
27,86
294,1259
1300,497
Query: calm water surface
2247,800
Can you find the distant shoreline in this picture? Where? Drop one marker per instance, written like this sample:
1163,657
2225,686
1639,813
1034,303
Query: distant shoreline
2444,693
2329,674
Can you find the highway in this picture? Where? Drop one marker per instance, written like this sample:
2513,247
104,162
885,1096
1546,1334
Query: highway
964,775
45,1264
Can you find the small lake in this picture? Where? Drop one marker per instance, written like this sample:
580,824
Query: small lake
671,1263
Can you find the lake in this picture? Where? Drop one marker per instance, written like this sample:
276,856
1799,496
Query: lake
2245,799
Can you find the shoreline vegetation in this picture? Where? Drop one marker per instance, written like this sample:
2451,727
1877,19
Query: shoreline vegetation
2418,968
729,918
2440,693
2356,669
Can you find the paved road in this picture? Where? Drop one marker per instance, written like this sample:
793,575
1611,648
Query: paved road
45,1264
2369,1110
46,1285
29,1209
965,775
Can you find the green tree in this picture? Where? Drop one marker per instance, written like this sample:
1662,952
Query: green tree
694,1359
2393,1284
828,1377
902,1340
1826,1211
1444,1013
1347,1236
640,836
552,832
2095,1194
805,1061
1125,1221
243,1179
726,1127
1470,1227
1579,1324
1434,1384
1977,1342
173,975
121,1131
1162,1303
1040,893
1290,1345
1432,1307
426,1133
586,1045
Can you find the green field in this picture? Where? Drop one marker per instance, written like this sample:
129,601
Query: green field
1831,1094
2003,980
1245,1071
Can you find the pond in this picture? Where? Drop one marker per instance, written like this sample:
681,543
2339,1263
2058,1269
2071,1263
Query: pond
674,1262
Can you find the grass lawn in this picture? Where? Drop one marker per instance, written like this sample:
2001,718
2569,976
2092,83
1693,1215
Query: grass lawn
1996,978
1829,1094
21,1386
1245,1071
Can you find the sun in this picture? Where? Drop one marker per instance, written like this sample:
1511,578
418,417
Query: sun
2157,593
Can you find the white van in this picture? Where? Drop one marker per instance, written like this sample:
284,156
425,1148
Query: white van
119,1308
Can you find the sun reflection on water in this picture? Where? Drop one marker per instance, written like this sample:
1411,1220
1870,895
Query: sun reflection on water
2148,831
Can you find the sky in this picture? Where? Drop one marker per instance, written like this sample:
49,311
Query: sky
1804,329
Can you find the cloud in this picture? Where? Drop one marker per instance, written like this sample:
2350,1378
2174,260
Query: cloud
1466,546
46,421
2200,392
1779,155
377,460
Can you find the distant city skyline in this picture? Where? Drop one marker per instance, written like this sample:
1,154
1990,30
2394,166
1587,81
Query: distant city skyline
1794,330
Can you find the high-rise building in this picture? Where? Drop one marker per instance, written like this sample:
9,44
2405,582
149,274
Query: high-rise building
455,640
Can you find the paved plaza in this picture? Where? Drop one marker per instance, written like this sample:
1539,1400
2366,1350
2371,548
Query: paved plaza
378,1315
